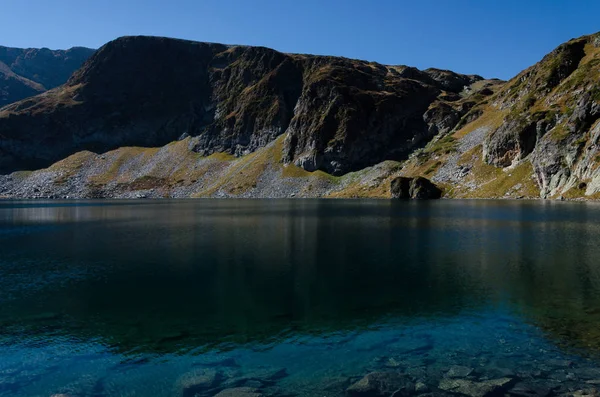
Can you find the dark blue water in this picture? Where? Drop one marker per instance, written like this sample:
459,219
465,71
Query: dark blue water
294,297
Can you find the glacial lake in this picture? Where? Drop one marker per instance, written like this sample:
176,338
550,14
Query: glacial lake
296,297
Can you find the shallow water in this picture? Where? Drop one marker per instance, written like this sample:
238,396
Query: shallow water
294,297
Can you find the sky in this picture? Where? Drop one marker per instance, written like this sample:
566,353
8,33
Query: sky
492,38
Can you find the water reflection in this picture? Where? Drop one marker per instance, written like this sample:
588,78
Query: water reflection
189,277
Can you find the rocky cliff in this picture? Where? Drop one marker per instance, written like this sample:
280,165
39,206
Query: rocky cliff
339,115
28,72
148,116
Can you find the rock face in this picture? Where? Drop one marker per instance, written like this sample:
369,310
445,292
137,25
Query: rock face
339,115
28,72
551,113
418,188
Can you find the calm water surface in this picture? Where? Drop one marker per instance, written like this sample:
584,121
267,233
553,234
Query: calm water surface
294,297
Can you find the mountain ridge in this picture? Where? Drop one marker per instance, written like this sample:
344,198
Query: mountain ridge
230,99
326,126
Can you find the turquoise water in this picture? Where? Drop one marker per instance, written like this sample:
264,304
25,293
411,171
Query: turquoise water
295,297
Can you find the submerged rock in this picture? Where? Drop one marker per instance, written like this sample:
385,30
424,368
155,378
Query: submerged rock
530,389
259,377
382,384
418,188
240,392
474,388
459,371
197,381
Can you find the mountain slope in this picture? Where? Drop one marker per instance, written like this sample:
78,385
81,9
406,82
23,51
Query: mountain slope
339,115
537,136
218,121
28,72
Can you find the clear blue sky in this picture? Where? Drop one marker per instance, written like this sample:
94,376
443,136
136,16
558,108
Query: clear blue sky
494,38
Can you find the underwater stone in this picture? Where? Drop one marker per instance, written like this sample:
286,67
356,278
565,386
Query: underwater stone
194,382
530,389
263,375
240,392
382,384
473,388
459,371
587,373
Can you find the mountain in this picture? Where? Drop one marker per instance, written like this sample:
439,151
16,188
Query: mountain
28,72
536,137
159,117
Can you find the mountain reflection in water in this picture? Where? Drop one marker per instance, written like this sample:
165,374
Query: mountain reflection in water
323,288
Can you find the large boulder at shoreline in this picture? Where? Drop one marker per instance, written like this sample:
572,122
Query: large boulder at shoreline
418,188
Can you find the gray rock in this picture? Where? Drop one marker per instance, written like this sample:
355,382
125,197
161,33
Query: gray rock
474,388
531,389
197,381
421,387
262,375
587,373
459,371
582,393
382,384
240,392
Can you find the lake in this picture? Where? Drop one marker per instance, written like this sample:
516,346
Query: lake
298,297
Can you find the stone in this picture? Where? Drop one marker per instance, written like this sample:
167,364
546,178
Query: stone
587,373
459,371
378,384
421,387
418,188
474,388
531,389
197,381
240,392
392,363
262,375
583,393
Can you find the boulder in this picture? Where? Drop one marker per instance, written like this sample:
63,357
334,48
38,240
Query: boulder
382,384
418,188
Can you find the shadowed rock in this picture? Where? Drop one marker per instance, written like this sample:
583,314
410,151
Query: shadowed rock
414,188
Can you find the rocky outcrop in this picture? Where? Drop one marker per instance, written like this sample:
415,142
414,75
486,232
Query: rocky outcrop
550,112
339,115
418,188
28,72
